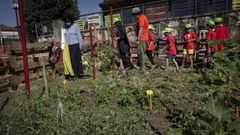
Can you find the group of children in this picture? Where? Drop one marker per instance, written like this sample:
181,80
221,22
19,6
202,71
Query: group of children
216,32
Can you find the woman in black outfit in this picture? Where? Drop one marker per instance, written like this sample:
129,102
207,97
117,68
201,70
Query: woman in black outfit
122,44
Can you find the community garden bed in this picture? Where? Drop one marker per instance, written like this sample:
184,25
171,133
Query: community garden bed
184,103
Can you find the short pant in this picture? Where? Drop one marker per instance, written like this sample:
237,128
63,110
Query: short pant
188,51
170,56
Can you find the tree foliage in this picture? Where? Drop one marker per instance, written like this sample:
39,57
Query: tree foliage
44,11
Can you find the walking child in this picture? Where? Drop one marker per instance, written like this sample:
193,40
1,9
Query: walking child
188,48
171,48
221,32
211,37
150,45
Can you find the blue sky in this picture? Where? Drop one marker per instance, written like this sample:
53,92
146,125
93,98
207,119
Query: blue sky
7,14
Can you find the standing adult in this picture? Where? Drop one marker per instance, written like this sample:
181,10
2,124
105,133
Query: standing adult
122,44
221,32
142,37
72,44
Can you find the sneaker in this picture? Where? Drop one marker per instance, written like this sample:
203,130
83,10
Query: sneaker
70,78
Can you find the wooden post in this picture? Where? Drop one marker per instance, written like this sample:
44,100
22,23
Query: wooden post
92,54
36,32
112,36
44,76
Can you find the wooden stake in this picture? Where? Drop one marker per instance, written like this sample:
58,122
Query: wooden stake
238,111
44,76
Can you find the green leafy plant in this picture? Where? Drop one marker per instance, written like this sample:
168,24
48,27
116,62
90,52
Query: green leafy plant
226,67
218,120
175,131
104,58
126,97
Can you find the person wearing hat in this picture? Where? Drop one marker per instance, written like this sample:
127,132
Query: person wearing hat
188,48
142,37
221,32
122,44
150,45
171,48
211,37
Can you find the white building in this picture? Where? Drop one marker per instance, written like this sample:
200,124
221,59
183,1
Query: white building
94,20
8,32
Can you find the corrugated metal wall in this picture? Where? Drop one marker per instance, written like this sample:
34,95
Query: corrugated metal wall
127,16
205,6
167,9
182,8
156,12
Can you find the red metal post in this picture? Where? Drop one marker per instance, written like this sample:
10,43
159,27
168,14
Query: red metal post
92,54
112,36
24,51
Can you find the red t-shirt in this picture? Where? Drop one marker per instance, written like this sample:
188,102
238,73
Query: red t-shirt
222,33
171,42
211,36
150,38
142,22
186,37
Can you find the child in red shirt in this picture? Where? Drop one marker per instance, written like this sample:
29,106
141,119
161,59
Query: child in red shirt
211,37
171,48
188,48
150,45
222,32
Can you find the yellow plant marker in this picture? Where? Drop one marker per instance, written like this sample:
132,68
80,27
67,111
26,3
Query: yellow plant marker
150,93
65,85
